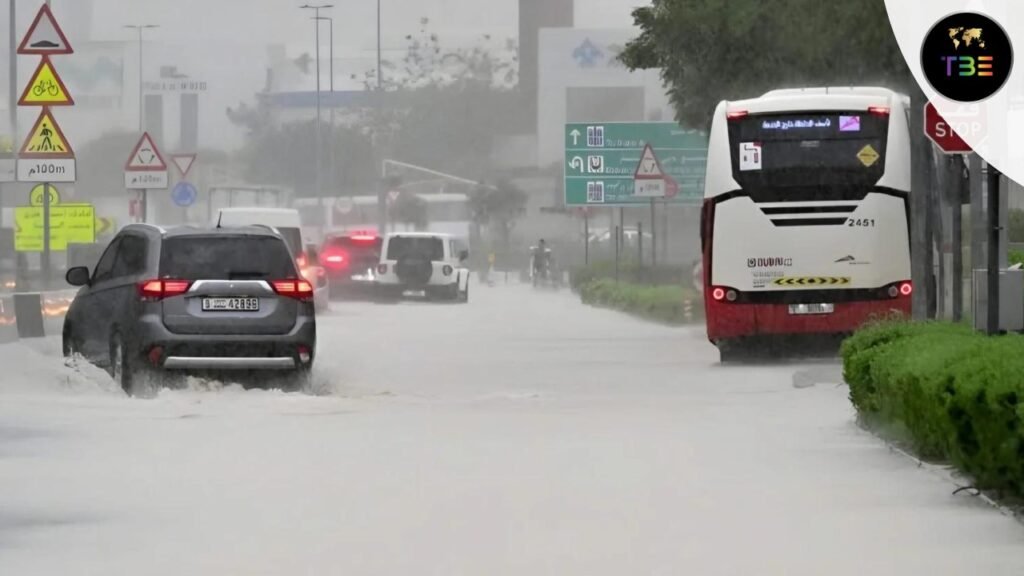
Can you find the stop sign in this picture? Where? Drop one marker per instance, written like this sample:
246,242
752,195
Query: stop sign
940,131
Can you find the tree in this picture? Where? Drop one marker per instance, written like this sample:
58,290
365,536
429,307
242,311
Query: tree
412,210
498,208
712,50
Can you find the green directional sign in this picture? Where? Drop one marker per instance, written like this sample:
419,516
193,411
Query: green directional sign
602,158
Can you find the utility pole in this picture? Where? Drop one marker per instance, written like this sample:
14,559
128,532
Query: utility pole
319,129
994,229
144,200
922,268
382,209
12,97
958,186
330,128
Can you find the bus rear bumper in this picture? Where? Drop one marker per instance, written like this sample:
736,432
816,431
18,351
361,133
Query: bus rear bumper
727,321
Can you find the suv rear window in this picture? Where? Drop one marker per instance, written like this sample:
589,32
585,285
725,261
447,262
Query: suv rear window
423,246
226,258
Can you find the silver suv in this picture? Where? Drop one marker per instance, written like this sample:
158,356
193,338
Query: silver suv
163,303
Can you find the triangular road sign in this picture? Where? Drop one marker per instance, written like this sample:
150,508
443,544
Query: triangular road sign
145,157
46,139
44,36
649,167
183,162
46,88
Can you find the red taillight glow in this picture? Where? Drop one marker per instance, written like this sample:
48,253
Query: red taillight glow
364,237
382,269
159,289
718,294
335,259
906,288
301,261
298,289
737,114
878,110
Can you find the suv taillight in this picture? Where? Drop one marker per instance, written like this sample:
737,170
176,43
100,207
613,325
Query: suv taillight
298,289
160,289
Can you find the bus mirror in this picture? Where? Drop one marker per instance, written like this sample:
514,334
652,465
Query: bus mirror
464,255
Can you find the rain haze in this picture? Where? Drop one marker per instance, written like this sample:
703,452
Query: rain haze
550,292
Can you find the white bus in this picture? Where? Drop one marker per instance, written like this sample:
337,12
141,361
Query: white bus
446,214
805,227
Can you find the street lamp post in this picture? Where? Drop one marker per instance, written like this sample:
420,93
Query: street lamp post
140,28
330,128
319,130
143,204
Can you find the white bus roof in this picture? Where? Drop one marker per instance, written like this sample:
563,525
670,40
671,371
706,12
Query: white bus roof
372,200
825,98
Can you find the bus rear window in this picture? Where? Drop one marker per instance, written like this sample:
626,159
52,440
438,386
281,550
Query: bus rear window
827,156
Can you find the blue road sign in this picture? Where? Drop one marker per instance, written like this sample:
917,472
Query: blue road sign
184,194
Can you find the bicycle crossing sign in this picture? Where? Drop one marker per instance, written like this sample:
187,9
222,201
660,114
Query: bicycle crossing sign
46,139
44,36
46,88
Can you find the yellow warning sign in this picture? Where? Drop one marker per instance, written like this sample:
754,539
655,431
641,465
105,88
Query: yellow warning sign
69,224
46,88
812,281
46,139
868,156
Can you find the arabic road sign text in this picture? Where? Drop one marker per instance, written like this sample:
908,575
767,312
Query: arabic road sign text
46,170
145,180
602,161
69,224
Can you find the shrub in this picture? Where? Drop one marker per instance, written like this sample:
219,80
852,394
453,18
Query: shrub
660,303
951,393
630,272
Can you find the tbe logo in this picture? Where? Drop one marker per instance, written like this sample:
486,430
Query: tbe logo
967,57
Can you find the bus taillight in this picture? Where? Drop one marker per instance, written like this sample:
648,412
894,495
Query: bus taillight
878,110
906,288
720,293
736,114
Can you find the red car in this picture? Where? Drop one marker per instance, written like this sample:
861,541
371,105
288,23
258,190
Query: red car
349,260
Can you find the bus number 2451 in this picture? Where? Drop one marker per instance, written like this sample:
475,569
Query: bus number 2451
854,222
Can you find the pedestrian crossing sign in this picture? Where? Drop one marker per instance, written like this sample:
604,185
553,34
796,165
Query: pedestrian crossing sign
46,139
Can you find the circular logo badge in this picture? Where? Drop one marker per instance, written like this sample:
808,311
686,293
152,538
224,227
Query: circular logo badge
967,57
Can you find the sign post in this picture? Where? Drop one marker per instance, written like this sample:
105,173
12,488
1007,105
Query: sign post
46,155
145,170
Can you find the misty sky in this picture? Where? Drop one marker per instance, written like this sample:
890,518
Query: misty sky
225,41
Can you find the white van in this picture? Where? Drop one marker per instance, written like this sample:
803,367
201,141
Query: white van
285,220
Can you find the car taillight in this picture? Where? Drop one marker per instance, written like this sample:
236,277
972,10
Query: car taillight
382,269
301,260
298,289
906,288
878,110
160,289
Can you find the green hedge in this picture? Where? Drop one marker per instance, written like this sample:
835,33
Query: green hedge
667,304
631,272
951,393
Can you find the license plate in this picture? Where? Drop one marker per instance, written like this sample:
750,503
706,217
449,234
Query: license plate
231,304
812,308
